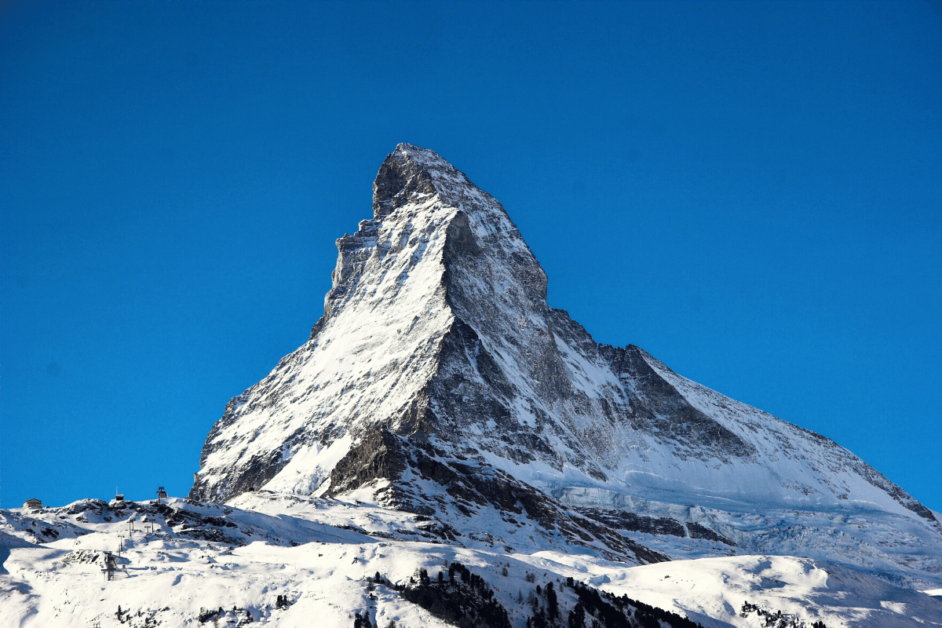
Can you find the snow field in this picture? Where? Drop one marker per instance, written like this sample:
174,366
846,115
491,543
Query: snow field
167,578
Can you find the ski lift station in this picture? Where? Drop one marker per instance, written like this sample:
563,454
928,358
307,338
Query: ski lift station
118,500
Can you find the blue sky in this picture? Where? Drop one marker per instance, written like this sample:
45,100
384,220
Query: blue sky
750,191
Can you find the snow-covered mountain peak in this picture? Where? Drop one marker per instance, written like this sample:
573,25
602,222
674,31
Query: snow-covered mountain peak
411,173
440,382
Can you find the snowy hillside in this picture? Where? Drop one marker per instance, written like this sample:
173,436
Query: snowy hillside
212,565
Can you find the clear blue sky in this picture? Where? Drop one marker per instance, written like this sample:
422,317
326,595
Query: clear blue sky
750,191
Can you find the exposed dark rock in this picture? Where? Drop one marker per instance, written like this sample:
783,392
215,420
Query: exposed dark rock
398,181
621,520
378,455
698,531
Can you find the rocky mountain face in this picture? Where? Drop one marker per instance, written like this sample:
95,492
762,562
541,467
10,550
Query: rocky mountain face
440,382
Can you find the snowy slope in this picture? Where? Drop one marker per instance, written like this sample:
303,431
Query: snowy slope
199,558
712,591
294,569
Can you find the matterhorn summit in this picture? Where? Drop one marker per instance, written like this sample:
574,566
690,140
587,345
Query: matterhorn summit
439,382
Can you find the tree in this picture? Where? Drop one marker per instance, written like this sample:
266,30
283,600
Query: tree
552,605
577,616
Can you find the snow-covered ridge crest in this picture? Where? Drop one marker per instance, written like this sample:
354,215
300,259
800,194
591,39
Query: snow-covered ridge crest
439,381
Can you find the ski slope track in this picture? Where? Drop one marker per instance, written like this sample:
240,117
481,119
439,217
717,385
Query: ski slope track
441,411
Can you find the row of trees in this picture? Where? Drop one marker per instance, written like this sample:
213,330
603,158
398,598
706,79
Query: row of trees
463,599
611,611
776,619
466,600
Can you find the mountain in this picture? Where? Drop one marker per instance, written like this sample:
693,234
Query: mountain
448,450
440,382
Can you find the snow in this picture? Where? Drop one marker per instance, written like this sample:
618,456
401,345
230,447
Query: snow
712,591
322,568
315,388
